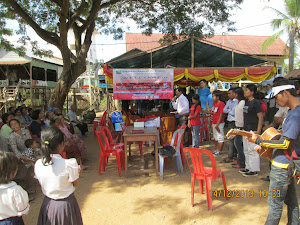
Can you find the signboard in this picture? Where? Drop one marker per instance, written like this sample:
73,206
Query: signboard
143,84
102,85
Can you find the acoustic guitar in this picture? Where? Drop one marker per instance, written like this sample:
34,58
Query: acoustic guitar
270,134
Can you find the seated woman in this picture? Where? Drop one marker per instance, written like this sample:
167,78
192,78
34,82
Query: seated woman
73,137
49,116
37,124
5,131
20,118
27,118
17,143
72,147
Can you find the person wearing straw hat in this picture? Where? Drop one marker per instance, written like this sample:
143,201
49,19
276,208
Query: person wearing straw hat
282,185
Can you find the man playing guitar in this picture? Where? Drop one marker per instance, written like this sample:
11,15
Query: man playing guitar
280,179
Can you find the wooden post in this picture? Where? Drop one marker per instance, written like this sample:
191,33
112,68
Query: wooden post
45,91
192,52
74,97
232,59
151,59
107,97
31,90
68,101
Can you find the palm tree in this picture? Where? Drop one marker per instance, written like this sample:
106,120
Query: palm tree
290,23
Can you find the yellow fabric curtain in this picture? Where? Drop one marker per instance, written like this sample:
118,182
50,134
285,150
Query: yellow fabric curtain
257,74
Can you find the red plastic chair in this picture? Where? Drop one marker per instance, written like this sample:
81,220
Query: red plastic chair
129,143
106,151
204,128
103,119
123,127
207,174
98,122
112,144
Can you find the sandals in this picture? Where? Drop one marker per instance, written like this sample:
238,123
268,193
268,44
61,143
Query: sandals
227,160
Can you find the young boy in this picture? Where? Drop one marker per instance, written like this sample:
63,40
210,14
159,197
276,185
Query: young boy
218,122
32,152
281,179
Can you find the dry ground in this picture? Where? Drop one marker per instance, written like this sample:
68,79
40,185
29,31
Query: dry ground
110,199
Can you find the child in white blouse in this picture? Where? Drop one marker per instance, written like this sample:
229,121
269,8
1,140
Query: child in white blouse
13,199
58,178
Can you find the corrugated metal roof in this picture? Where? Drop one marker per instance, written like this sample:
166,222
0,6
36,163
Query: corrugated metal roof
12,58
179,55
242,43
54,60
14,62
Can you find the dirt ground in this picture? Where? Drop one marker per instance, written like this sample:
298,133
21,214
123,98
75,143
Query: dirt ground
110,199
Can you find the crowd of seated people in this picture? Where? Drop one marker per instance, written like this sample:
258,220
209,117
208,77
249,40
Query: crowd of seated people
20,134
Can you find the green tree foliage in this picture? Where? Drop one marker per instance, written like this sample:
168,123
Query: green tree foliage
53,19
287,22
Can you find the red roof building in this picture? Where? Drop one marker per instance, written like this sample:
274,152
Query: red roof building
240,43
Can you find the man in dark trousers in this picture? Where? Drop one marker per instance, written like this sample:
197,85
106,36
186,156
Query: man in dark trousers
75,122
282,185
181,104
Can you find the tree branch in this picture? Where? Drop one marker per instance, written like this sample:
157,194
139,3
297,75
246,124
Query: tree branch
58,2
76,15
63,30
77,38
94,10
50,37
87,42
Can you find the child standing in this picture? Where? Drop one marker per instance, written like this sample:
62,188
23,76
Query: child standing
13,199
58,178
194,120
218,122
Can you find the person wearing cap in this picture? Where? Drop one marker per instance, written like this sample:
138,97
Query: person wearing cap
181,104
282,185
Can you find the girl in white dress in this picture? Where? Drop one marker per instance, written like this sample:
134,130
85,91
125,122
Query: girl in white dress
58,178
13,199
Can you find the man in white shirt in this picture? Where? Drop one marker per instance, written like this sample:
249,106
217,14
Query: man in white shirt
229,109
181,104
75,122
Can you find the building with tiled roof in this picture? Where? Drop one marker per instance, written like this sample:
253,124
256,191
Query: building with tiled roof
242,44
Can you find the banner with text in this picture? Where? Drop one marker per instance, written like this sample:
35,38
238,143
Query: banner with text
143,84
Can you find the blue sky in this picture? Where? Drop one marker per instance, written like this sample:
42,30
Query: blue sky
251,19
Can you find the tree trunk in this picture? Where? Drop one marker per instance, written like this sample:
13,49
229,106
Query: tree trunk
64,84
292,49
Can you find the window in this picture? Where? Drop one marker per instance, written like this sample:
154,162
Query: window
38,73
51,75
